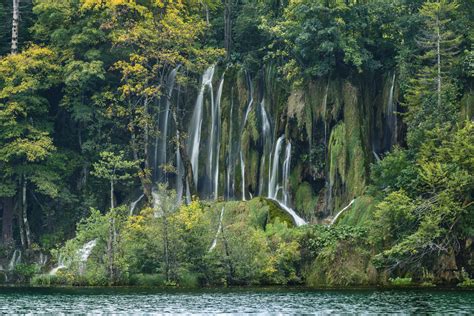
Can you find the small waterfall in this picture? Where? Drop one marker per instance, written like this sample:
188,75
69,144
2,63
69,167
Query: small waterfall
84,254
391,116
134,204
267,145
341,211
196,121
61,265
81,256
162,159
286,174
242,170
214,142
230,160
273,181
219,229
247,112
158,212
43,259
15,260
296,218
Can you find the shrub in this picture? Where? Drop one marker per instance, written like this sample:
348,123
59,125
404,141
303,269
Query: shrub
401,281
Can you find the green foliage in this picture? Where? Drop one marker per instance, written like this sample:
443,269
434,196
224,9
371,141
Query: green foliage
401,282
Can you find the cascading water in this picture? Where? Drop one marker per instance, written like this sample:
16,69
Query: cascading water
274,171
84,253
81,257
341,211
15,260
162,159
273,186
391,116
273,180
247,112
286,174
214,142
134,204
230,160
196,121
61,265
219,229
267,145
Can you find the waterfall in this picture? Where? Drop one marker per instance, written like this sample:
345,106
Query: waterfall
81,256
219,229
158,212
61,265
134,204
84,254
230,160
43,259
15,260
341,211
296,218
273,181
214,142
391,116
247,112
164,135
242,170
286,174
196,121
267,144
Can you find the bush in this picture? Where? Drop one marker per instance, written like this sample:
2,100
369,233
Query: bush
24,271
401,281
147,280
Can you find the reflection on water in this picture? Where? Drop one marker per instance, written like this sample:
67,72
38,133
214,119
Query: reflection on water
233,301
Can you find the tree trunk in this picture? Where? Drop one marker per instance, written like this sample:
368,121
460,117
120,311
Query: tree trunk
7,221
143,174
188,168
166,248
110,249
438,61
15,26
24,211
111,195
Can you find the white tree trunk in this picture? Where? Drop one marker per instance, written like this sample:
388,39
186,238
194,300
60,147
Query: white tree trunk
15,26
26,224
438,61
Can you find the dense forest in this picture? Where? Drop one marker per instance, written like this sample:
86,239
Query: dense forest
237,142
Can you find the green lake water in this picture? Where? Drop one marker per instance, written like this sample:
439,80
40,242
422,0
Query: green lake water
233,301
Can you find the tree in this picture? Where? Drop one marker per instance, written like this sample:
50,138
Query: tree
431,98
25,140
114,168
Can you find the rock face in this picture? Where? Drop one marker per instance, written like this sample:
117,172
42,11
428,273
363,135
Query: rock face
309,147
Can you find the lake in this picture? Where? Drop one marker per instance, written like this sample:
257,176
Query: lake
233,301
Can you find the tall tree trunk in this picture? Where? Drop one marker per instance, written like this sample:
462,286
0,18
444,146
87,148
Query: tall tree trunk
7,221
143,174
112,235
438,61
111,195
15,26
24,211
188,168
